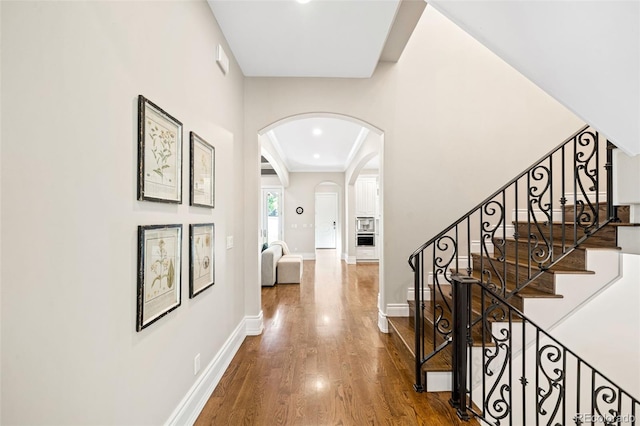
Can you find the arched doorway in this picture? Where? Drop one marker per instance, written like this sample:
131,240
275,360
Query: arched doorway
370,145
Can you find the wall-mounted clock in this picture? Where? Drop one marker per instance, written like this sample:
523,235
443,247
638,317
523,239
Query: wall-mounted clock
299,210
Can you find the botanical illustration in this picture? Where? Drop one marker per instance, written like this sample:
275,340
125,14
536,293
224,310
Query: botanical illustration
163,149
159,151
158,271
202,172
161,275
161,140
202,257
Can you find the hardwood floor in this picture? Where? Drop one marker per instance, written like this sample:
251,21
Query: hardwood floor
321,360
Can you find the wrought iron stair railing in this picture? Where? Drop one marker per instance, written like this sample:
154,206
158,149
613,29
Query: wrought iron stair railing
526,376
543,231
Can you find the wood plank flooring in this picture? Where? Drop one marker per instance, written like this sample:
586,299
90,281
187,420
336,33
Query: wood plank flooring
321,360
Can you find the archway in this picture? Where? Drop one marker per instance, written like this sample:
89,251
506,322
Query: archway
371,145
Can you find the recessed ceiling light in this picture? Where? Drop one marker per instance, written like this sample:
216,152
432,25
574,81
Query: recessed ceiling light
317,132
316,156
303,1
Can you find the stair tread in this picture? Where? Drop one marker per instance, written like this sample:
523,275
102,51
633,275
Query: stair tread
532,293
555,243
556,269
567,223
528,292
583,246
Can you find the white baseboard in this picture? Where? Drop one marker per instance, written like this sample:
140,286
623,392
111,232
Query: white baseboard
254,324
351,260
523,215
383,324
591,195
191,405
398,310
476,246
426,293
307,256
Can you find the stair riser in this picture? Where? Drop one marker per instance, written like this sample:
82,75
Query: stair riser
575,259
544,282
606,237
623,213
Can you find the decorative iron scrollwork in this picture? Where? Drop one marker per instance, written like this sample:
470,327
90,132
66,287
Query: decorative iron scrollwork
606,395
586,176
493,218
549,362
541,215
497,359
502,261
447,248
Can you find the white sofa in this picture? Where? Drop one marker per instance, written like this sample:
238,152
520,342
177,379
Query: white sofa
278,266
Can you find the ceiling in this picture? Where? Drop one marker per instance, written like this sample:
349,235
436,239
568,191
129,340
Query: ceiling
319,144
319,38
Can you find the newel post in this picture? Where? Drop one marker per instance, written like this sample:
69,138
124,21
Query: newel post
461,294
418,324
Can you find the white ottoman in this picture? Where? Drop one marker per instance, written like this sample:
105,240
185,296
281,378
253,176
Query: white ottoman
289,269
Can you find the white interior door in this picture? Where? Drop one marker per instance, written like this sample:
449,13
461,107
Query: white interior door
326,220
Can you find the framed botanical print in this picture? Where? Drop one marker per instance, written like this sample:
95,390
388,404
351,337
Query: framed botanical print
159,154
201,258
159,272
202,172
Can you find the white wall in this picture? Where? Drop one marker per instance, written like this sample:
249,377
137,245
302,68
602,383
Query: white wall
299,229
585,54
605,332
270,180
448,112
71,73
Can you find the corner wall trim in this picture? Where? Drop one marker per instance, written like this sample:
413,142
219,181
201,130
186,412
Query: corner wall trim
383,325
254,324
193,402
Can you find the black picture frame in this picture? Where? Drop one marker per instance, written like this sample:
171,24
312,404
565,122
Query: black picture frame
202,254
202,176
159,154
159,272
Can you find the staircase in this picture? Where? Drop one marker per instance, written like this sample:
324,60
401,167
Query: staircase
562,234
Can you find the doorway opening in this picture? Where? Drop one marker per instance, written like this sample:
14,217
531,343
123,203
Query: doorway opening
272,221
310,156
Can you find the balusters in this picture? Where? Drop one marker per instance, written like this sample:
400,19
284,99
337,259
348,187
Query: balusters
488,222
